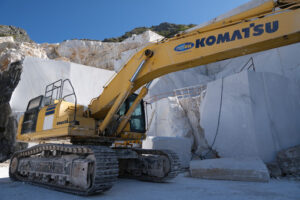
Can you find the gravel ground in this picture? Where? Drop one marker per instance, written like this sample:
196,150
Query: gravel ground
180,188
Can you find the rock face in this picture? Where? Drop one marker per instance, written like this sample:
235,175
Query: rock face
178,118
8,131
11,51
165,29
191,108
245,114
249,114
105,55
289,161
9,79
6,138
235,169
19,35
12,55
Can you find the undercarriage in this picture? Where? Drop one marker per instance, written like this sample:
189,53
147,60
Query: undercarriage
86,170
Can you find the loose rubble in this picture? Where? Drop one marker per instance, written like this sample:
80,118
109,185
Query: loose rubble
274,169
289,161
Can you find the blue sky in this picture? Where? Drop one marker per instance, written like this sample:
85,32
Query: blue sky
57,20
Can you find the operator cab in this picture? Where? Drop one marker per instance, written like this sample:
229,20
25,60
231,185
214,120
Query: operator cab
32,111
137,120
53,91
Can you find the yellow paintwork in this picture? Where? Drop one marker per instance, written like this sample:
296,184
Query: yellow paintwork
166,60
20,128
64,112
61,126
136,102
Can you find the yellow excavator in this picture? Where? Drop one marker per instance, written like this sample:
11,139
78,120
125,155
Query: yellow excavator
84,150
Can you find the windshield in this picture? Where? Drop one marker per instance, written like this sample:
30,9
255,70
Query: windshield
34,103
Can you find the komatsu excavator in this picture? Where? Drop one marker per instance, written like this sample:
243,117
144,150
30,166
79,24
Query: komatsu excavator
92,160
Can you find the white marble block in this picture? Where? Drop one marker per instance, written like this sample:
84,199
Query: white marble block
235,169
180,145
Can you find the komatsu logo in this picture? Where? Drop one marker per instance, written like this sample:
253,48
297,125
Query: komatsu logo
252,31
184,46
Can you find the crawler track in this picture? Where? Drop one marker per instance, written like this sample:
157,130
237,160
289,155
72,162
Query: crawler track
140,172
103,165
174,163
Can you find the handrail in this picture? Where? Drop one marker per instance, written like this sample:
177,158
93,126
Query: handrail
180,93
54,87
73,93
59,87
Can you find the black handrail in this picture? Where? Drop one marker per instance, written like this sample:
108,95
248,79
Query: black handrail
59,87
73,93
56,87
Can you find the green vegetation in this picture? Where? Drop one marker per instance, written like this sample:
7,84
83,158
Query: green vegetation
18,34
165,29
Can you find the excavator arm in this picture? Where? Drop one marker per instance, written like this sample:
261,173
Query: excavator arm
270,25
89,166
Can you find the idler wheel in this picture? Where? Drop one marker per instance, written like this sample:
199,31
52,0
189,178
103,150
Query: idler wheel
14,165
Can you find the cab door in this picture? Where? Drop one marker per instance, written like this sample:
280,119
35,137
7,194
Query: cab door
31,115
137,119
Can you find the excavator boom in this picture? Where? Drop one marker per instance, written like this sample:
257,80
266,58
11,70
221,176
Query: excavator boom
261,28
117,117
